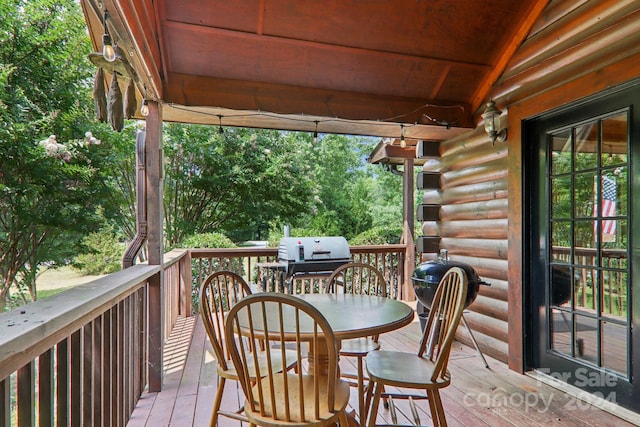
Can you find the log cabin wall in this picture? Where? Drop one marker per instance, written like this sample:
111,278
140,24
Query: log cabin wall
576,49
473,228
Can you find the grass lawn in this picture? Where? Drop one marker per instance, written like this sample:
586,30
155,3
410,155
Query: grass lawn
54,281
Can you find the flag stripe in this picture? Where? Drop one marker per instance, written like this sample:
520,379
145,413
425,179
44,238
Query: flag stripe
608,205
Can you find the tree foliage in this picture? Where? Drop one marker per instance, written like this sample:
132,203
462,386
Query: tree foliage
244,183
104,253
237,181
342,195
46,199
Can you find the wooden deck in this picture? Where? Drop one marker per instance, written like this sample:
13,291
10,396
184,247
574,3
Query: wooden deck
477,396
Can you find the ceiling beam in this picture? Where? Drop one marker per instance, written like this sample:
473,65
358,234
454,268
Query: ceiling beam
302,45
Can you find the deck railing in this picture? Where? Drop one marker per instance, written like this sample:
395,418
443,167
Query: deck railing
84,356
257,267
78,357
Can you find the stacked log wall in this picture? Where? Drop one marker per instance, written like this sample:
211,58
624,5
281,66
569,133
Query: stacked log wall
575,49
473,228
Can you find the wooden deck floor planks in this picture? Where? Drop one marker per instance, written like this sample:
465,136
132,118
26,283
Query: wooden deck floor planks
477,396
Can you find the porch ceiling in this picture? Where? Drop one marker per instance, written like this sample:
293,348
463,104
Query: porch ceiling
354,67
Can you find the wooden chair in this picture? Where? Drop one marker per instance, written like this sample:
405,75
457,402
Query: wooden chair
358,278
294,398
426,370
221,291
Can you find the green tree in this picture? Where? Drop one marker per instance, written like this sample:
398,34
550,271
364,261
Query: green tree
387,194
48,194
238,181
342,187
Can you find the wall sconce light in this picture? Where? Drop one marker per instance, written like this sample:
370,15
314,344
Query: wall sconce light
144,108
491,117
108,51
403,142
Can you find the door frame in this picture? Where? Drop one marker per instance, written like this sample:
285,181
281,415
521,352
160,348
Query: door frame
534,154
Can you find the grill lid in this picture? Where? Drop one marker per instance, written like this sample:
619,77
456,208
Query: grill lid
313,249
433,271
427,276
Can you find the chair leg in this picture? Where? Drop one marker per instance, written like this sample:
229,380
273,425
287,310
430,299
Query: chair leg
216,404
362,408
373,414
367,398
437,411
344,420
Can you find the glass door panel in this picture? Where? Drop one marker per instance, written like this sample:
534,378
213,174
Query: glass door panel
580,209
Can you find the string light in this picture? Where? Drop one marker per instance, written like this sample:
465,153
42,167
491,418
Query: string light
315,133
220,130
388,122
403,142
144,108
108,51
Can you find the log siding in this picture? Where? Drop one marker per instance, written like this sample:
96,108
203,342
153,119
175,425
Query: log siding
576,49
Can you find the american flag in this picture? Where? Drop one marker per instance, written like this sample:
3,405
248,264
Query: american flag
608,205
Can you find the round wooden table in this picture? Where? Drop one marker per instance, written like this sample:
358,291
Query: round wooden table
350,316
354,316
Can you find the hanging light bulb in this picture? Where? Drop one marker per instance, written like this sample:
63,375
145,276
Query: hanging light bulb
315,133
108,51
403,142
144,108
220,130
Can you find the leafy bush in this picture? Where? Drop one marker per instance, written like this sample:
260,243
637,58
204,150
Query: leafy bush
208,240
380,235
276,235
103,256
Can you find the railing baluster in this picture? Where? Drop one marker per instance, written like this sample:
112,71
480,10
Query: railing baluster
120,368
136,353
25,395
96,372
62,383
5,404
106,372
87,373
45,389
76,379
127,379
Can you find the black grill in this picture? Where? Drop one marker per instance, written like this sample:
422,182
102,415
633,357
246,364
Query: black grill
312,255
427,276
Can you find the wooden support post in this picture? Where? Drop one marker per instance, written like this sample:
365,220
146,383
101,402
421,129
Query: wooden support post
408,229
154,167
